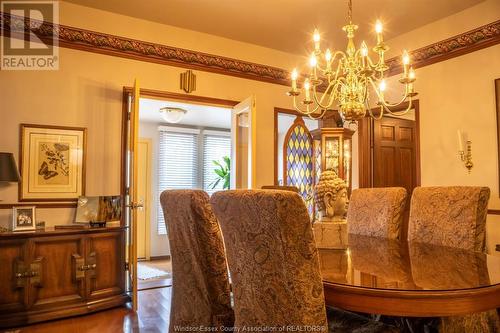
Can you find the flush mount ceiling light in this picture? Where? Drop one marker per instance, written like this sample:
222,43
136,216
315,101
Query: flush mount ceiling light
172,115
347,76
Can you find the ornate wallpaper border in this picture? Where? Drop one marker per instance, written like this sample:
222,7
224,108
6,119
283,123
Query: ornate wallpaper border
91,41
473,40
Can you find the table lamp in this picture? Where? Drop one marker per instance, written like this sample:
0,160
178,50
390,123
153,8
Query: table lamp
8,168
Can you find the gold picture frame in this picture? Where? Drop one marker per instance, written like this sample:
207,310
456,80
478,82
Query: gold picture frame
23,218
52,163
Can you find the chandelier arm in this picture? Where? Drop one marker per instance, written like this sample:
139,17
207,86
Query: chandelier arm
370,62
391,105
306,111
402,112
382,100
320,101
343,56
318,117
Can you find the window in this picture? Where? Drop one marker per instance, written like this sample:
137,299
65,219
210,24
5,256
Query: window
216,145
185,160
177,163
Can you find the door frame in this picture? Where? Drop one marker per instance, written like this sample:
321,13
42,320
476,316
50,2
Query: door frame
127,91
366,149
158,94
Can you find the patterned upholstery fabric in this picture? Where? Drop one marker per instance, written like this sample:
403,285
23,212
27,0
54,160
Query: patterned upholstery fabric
201,292
450,216
377,212
281,187
453,216
272,258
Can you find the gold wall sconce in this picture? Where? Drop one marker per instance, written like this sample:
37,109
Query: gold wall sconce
465,155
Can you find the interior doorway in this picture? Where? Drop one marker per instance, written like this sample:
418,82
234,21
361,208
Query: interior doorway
389,153
160,154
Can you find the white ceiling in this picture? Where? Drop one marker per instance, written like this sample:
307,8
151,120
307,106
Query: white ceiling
197,115
286,24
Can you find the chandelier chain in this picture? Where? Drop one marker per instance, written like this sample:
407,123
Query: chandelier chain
349,12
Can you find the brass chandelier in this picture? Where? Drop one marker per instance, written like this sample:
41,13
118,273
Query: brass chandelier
348,76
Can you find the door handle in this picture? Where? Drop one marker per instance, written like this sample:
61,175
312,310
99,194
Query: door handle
136,205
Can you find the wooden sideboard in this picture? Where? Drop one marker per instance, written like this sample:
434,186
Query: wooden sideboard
60,273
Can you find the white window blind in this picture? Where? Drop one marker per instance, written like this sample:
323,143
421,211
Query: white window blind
177,163
216,145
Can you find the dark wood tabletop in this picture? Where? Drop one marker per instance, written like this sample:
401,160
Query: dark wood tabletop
381,276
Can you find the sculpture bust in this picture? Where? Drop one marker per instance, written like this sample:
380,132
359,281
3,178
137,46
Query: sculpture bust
331,197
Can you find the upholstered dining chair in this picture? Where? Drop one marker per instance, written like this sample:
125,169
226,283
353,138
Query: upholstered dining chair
272,258
281,187
451,216
454,216
377,212
200,291
274,263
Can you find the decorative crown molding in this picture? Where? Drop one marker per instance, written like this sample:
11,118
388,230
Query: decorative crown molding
473,40
80,39
97,42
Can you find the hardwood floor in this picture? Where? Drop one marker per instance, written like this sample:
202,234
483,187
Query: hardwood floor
152,317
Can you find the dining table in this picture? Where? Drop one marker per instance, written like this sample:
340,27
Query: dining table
399,278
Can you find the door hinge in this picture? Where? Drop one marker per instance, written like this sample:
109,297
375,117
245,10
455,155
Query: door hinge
127,266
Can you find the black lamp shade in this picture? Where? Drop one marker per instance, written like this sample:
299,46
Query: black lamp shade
8,168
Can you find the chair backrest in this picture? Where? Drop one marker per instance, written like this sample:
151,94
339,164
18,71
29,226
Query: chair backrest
272,258
281,187
377,212
450,216
200,291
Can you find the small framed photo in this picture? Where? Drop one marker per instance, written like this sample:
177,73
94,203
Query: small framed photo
23,218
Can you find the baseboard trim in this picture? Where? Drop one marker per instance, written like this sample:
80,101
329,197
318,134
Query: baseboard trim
165,257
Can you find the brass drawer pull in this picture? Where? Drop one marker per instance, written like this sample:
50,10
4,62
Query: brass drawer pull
26,274
87,267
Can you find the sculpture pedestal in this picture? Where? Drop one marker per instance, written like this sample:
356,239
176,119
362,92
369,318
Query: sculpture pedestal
331,235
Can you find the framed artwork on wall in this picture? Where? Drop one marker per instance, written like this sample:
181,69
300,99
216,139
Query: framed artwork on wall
52,163
23,218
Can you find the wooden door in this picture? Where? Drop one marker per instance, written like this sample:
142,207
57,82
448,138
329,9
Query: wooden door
395,153
105,256
61,278
144,194
243,145
13,289
396,160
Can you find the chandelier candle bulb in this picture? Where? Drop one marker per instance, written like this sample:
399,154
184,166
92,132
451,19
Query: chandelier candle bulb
406,63
295,75
306,90
313,61
378,30
364,54
460,141
382,86
316,39
328,58
411,74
